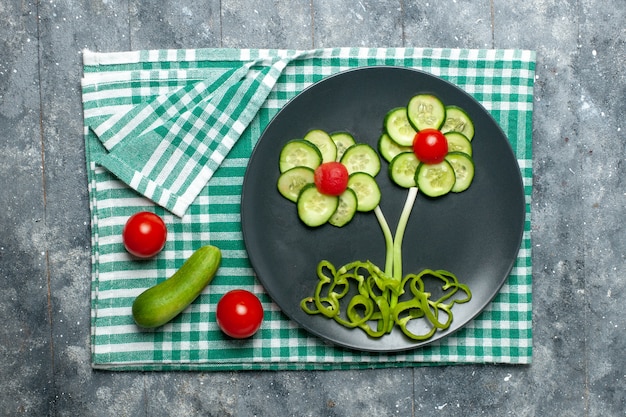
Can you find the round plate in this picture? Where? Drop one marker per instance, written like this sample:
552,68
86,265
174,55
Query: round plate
475,234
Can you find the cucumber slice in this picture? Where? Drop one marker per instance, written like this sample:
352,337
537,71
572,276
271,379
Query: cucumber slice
361,158
398,127
292,181
324,143
435,180
367,191
463,166
458,142
426,111
343,140
297,153
346,209
402,169
457,120
388,148
315,208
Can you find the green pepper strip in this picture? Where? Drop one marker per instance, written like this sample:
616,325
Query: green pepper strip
372,302
422,306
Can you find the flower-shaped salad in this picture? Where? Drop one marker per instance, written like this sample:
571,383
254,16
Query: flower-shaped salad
428,145
329,176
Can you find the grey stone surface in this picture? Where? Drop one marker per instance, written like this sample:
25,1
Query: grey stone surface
25,336
357,23
263,24
601,110
558,251
65,29
579,198
459,24
176,24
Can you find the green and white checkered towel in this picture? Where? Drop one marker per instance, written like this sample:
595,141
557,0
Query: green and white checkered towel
171,131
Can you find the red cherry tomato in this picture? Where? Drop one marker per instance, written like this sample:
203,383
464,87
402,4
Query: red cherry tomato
430,146
239,314
331,178
144,234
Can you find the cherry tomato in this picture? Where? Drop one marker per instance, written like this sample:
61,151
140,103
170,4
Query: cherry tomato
239,314
144,234
331,178
430,146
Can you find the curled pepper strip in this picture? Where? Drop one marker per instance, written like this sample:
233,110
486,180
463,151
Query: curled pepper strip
332,287
422,306
363,307
377,299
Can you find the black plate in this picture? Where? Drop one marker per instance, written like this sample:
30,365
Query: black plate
475,234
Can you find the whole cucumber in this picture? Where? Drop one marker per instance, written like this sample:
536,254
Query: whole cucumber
159,304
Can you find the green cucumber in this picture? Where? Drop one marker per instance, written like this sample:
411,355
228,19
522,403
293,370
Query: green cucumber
159,304
315,208
343,140
366,189
361,158
463,166
457,120
402,169
324,143
388,148
398,127
346,209
435,180
299,152
458,142
291,182
425,111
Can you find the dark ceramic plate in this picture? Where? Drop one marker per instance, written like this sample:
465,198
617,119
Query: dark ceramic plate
475,234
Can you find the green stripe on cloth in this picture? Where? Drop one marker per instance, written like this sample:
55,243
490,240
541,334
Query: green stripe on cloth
171,131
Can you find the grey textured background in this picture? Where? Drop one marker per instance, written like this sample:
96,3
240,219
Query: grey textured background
579,364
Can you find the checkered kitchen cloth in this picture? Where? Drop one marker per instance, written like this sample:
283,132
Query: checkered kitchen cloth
171,131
